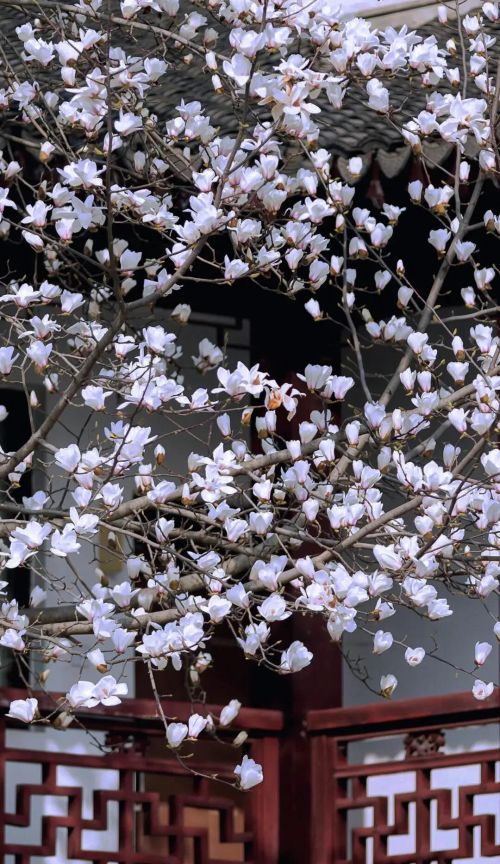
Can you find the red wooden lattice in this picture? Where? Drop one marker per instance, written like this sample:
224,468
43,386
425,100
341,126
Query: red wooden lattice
354,825
131,802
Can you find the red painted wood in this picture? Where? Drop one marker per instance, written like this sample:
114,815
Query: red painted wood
153,818
454,707
433,762
322,773
145,710
156,792
340,785
265,803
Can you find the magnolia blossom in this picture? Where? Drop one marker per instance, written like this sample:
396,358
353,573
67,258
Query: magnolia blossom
96,657
295,658
388,684
382,642
481,652
414,656
229,712
196,725
25,710
249,773
180,493
274,608
176,733
106,692
482,691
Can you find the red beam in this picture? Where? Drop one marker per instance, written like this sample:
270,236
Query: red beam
252,719
438,710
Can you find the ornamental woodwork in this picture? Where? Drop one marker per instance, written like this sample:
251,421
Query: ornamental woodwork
422,743
388,785
424,804
128,800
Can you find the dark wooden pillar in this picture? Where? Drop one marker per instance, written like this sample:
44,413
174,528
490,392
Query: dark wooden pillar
284,340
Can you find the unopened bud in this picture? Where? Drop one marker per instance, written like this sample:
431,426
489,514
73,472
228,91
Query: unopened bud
46,151
211,60
63,720
217,84
139,161
112,540
101,576
246,416
159,452
442,14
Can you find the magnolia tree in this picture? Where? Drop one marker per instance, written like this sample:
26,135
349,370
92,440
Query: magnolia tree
124,209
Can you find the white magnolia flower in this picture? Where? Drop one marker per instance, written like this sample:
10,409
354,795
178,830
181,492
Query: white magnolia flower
7,359
123,594
122,639
217,608
37,596
439,239
312,306
387,558
438,608
68,458
229,712
82,173
63,543
176,732
81,695
108,692
95,397
388,684
196,725
482,651
482,691
249,773
295,658
98,660
274,608
25,710
13,639
382,641
128,123
414,656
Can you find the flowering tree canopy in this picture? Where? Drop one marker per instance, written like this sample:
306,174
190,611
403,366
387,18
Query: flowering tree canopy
370,508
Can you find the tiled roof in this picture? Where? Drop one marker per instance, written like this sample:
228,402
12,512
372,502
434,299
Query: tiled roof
354,129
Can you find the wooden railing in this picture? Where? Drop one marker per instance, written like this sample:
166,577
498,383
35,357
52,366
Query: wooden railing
408,782
109,790
413,782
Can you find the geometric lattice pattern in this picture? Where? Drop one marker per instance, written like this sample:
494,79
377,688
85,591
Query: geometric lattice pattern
431,809
384,790
125,805
139,823
421,817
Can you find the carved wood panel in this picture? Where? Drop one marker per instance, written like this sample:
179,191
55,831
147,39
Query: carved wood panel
125,806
